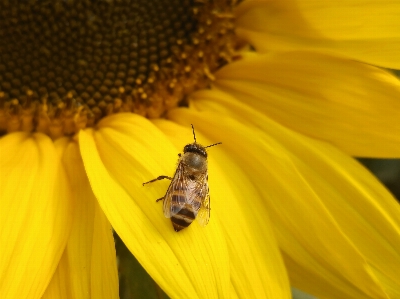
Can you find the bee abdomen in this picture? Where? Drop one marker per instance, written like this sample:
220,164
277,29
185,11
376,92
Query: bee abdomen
182,219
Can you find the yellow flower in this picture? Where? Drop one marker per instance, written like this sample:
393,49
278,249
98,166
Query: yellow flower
98,97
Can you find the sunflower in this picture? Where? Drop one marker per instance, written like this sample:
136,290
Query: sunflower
97,97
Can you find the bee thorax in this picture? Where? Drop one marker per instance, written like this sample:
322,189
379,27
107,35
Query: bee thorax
195,161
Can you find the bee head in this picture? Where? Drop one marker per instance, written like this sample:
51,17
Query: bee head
195,148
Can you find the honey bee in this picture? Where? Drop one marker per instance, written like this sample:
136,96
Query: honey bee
188,196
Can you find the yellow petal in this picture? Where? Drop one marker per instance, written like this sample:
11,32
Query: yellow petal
60,285
90,250
336,224
104,276
36,214
257,270
363,30
124,152
352,105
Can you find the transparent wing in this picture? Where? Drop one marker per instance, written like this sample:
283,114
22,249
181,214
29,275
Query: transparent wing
203,215
175,198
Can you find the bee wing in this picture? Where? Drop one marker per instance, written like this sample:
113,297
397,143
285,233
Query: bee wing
203,215
204,212
175,198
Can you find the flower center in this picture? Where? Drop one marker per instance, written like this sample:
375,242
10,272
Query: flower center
64,65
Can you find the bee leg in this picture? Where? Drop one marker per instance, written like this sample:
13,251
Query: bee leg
161,177
157,200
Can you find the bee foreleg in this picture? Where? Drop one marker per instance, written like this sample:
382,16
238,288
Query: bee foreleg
157,200
161,177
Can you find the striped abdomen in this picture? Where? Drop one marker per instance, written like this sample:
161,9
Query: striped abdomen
184,217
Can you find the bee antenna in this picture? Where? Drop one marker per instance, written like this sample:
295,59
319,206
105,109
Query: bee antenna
213,144
194,135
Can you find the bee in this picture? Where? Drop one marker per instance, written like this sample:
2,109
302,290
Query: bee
188,196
